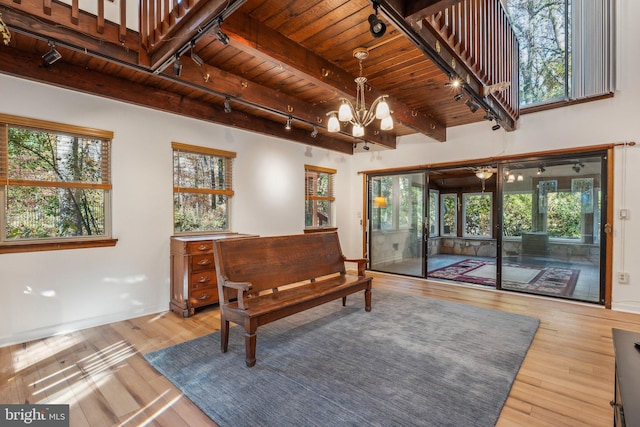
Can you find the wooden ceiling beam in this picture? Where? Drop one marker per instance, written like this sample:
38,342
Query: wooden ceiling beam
219,82
23,65
262,42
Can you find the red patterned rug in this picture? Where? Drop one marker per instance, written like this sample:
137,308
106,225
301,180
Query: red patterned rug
520,277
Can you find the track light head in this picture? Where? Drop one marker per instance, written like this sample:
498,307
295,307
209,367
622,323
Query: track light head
458,97
377,28
194,56
314,132
496,126
472,105
177,66
287,125
365,146
52,56
227,105
224,39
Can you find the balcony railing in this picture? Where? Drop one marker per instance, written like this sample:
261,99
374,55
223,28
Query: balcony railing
480,34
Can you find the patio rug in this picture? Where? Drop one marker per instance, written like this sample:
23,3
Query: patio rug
411,361
527,278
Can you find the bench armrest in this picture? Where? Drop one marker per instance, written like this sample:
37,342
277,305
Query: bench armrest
362,264
241,287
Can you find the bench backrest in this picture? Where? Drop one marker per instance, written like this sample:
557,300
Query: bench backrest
271,262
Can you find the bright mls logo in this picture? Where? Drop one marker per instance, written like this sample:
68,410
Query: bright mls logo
34,415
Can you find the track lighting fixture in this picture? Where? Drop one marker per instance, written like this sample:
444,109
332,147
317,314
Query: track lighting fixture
227,105
177,66
472,105
541,170
52,56
377,28
458,97
365,147
224,39
453,83
577,166
287,125
195,57
314,132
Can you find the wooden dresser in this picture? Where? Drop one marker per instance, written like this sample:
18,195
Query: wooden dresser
193,272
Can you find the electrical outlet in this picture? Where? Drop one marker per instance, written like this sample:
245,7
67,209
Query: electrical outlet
624,213
623,278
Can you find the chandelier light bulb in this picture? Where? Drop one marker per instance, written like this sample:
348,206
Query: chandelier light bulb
358,131
333,125
344,113
382,110
386,123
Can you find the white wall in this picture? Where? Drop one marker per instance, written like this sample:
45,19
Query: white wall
44,293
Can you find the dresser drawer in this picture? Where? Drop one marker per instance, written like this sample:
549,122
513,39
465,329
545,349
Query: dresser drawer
197,248
202,262
203,279
204,296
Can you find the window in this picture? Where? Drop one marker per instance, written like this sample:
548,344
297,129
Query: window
202,187
566,48
477,213
517,215
434,226
449,208
318,196
55,184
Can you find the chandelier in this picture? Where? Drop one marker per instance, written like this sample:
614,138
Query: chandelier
358,116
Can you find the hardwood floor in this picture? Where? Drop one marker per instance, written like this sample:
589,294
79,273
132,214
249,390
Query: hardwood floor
566,377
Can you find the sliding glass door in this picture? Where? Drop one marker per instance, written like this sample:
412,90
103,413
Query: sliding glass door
532,226
396,223
552,227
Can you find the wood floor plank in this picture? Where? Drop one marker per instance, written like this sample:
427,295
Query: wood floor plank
565,379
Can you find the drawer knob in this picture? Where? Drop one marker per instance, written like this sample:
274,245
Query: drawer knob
203,279
205,261
203,247
204,296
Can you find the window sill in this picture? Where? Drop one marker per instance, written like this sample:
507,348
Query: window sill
56,246
559,104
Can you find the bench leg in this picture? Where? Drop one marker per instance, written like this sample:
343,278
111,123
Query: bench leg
367,299
224,334
250,342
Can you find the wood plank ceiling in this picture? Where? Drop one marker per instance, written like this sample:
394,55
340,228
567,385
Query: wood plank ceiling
283,58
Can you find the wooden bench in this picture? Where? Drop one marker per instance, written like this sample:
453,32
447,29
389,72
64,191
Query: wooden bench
253,271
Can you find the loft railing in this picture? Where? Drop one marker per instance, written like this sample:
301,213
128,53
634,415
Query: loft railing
480,34
159,19
91,19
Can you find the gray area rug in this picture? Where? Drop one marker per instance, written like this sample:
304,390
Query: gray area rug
411,361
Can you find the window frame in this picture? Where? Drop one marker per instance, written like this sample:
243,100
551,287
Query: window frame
227,189
589,40
54,243
311,174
